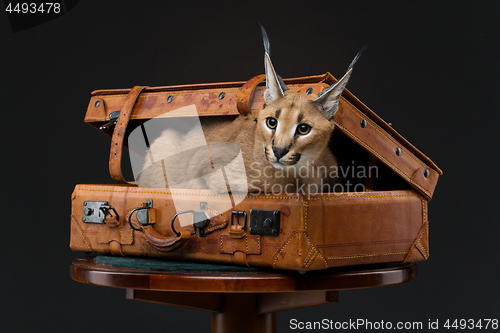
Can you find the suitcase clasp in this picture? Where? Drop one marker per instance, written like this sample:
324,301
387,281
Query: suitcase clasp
264,222
142,215
200,220
97,211
113,119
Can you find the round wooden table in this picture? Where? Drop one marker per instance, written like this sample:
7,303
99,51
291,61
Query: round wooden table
240,299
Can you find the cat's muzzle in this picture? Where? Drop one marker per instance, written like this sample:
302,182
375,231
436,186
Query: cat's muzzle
279,157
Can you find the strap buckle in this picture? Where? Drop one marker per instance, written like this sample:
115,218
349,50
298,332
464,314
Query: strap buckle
237,214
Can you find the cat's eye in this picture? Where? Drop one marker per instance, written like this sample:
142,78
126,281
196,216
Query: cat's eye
271,122
303,129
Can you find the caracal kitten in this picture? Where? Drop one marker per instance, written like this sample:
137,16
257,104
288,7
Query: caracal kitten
284,145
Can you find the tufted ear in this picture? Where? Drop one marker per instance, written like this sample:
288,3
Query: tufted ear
274,85
273,88
329,98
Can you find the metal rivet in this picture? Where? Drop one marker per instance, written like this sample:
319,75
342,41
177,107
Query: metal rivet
222,95
398,151
309,91
170,98
363,123
97,104
426,173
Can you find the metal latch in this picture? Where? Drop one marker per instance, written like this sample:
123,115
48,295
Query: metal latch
96,212
113,119
143,215
264,222
200,220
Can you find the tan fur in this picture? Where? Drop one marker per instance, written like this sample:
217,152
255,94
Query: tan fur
313,148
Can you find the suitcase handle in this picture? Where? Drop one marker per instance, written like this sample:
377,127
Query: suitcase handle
158,241
165,243
245,94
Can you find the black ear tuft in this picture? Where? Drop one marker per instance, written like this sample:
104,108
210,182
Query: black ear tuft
363,49
267,47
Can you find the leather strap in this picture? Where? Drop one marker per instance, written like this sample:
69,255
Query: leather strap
115,248
245,94
115,154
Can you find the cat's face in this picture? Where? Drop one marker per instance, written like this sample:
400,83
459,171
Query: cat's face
293,130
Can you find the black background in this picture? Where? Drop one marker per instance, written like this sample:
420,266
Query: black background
431,70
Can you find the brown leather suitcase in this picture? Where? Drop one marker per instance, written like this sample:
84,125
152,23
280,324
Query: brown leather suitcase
387,222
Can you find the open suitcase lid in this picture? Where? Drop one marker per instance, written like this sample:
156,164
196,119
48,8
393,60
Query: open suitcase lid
353,118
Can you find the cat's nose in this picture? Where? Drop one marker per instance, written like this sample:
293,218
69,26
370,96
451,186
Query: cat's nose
280,152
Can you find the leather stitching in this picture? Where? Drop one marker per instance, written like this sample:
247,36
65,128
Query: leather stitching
316,249
369,255
303,233
148,116
369,243
310,257
195,194
233,250
422,249
201,91
407,259
81,233
425,253
283,247
366,196
173,112
218,226
424,212
305,215
99,235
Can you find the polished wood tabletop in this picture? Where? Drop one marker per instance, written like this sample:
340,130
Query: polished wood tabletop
240,299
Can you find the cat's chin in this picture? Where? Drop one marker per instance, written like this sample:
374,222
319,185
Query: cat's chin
279,165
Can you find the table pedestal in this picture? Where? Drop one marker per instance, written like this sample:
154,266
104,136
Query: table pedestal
239,299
